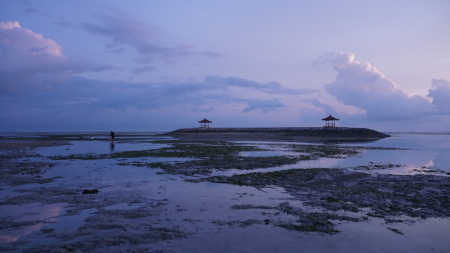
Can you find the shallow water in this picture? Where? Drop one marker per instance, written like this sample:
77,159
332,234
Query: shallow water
204,210
97,147
411,153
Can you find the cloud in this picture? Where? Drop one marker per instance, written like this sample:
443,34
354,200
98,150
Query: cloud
269,87
440,93
28,60
190,94
264,105
82,101
124,30
362,85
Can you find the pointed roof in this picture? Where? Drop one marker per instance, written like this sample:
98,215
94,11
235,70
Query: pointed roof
204,121
330,118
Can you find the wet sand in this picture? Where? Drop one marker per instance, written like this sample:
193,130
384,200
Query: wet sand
142,206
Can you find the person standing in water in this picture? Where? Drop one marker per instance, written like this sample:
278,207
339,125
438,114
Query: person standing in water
111,138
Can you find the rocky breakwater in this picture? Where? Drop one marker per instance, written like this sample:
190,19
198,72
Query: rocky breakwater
306,134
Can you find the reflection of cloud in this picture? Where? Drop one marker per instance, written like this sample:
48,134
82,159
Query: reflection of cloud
28,213
442,159
429,164
15,235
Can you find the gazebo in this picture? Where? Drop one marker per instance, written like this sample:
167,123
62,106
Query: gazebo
330,121
204,122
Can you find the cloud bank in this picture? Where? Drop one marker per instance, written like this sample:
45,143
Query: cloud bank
362,85
87,103
440,93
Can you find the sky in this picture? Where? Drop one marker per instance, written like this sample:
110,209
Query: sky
148,65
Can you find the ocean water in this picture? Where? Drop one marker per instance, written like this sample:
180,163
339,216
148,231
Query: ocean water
203,204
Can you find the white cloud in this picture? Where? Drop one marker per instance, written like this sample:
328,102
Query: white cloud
362,85
28,60
440,92
26,41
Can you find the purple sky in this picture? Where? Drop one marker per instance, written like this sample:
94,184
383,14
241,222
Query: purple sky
162,65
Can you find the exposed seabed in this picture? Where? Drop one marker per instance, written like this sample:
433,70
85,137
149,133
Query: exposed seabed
167,200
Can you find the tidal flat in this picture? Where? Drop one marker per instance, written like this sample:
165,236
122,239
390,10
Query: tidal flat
78,192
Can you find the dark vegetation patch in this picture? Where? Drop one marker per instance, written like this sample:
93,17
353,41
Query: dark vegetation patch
333,151
89,191
319,222
25,172
225,155
206,166
395,231
378,166
237,223
231,160
286,178
218,155
419,196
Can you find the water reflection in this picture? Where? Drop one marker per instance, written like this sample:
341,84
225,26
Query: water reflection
28,214
96,147
111,146
403,153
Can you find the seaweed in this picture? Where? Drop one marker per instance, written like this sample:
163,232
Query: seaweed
90,191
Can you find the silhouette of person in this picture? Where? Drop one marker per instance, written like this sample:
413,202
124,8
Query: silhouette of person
112,135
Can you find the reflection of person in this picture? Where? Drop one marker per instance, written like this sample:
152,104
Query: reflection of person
111,146
112,135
